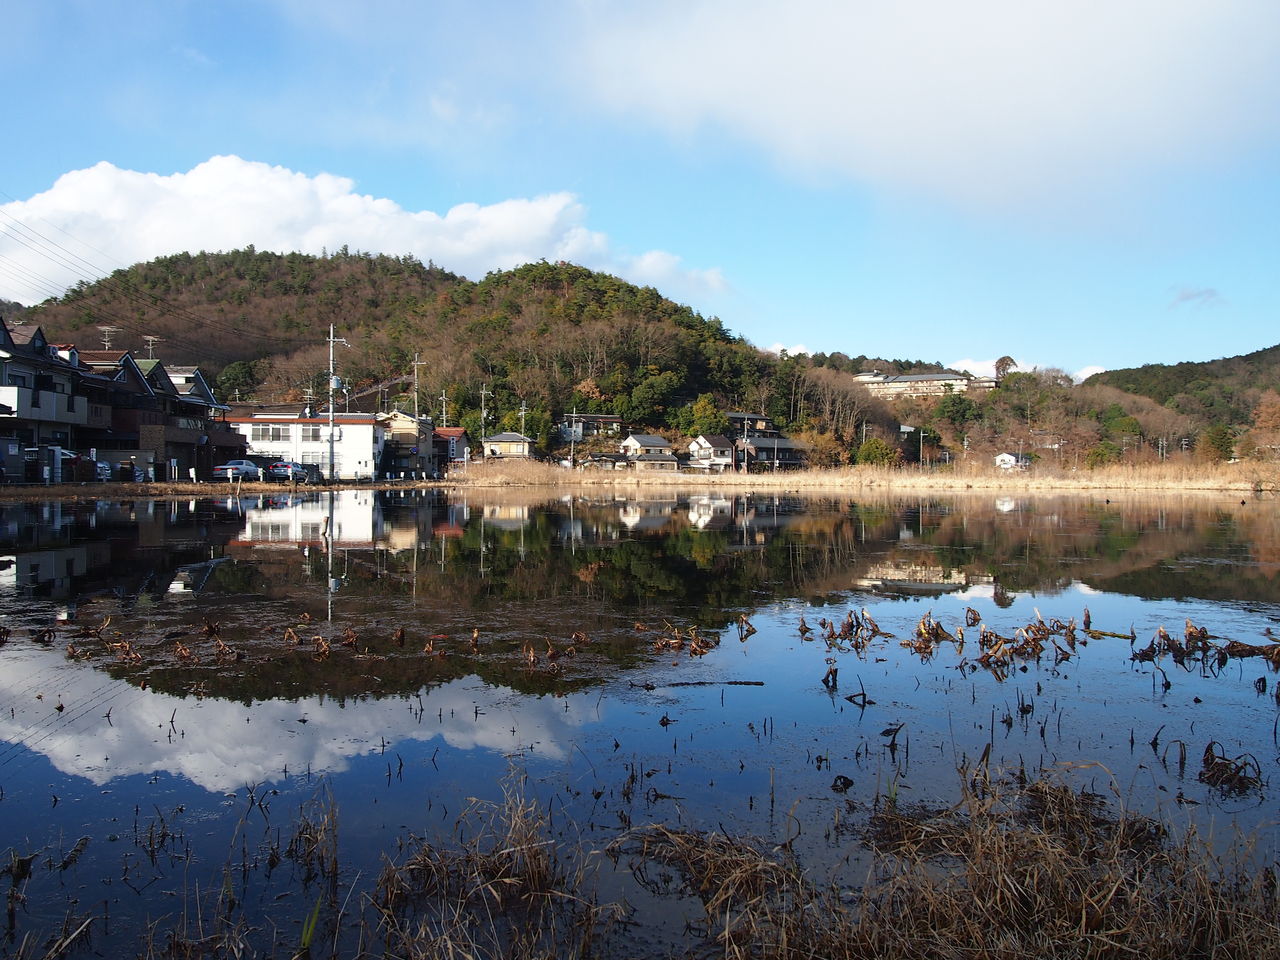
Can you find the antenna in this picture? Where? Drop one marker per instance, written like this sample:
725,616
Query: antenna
151,345
107,333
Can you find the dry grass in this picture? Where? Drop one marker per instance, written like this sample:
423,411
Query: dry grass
1181,476
1014,872
1173,476
502,890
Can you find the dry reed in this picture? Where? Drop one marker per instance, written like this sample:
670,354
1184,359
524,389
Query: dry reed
502,890
1011,872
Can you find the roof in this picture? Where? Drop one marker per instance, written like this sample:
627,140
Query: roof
657,457
714,440
648,440
451,431
508,438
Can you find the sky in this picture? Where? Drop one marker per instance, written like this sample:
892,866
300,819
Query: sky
1079,185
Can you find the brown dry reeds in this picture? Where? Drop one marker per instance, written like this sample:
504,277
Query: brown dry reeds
1010,872
502,889
1170,476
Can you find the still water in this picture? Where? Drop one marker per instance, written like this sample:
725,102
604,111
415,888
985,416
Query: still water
182,680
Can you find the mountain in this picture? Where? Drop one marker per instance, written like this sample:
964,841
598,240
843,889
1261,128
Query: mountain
1218,391
551,336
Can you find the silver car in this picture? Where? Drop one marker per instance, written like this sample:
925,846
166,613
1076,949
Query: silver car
241,469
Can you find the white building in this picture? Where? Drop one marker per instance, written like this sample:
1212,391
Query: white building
358,440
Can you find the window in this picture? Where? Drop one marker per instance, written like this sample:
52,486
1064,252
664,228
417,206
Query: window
310,432
269,432
19,380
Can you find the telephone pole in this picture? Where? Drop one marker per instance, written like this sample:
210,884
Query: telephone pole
416,364
444,409
151,346
523,411
333,384
484,409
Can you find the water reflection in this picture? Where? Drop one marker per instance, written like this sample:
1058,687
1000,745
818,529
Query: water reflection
410,647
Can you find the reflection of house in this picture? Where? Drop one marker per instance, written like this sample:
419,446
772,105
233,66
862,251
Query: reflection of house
713,453
356,520
303,437
710,513
912,578
641,516
578,426
647,452
922,384
507,445
506,516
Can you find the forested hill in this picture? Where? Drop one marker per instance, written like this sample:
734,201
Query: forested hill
1219,391
553,336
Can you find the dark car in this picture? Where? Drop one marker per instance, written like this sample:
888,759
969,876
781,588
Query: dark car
295,472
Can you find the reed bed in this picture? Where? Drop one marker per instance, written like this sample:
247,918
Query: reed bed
1170,476
504,889
1173,476
1011,872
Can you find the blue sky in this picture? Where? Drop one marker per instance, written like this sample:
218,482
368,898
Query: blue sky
1075,184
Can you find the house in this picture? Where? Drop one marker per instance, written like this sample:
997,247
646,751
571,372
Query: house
923,384
507,445
302,436
772,453
750,425
713,453
40,388
646,452
579,426
408,451
451,446
638,444
1009,461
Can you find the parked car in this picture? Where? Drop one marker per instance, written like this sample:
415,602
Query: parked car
232,469
296,472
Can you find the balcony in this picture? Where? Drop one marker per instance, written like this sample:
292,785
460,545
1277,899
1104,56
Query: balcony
45,406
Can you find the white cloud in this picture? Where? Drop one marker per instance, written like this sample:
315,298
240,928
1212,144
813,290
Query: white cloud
990,102
96,219
987,368
791,351
979,368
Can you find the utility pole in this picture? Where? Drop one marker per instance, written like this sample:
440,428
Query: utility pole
151,346
523,411
333,384
416,364
107,334
444,409
484,409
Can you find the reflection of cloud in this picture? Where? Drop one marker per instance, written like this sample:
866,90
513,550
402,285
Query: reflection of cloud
222,745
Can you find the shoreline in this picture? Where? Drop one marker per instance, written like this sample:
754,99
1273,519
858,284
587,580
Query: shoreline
1238,480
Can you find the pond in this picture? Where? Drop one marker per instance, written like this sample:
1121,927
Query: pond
239,710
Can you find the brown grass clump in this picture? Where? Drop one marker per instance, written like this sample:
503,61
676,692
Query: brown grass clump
1014,872
501,891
